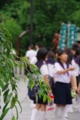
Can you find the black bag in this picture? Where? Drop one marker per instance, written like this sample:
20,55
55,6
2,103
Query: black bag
33,93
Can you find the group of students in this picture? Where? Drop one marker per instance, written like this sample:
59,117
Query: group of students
63,68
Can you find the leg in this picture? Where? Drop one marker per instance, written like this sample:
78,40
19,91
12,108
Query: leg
35,111
73,83
43,112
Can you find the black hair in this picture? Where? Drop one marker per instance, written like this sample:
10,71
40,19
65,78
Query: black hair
70,57
68,50
78,52
50,54
60,52
39,45
56,52
75,45
31,46
42,53
74,48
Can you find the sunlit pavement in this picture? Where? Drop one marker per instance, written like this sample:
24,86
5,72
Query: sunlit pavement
26,112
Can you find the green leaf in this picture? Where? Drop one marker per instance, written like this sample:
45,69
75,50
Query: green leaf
13,101
1,84
44,98
4,108
13,118
8,98
11,62
16,112
5,87
19,105
4,113
6,94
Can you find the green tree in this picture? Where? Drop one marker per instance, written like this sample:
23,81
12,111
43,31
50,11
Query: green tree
8,83
48,16
14,29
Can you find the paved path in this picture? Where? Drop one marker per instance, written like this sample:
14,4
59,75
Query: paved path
25,115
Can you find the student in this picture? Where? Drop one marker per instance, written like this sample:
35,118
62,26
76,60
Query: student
40,105
63,74
30,53
37,47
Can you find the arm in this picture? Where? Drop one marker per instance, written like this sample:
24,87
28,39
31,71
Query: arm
27,55
78,89
46,80
59,70
63,71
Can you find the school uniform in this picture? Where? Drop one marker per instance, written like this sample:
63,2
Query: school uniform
62,86
44,71
30,54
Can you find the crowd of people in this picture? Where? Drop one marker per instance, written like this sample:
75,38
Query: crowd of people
61,72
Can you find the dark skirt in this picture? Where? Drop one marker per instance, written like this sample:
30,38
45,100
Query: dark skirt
62,93
38,100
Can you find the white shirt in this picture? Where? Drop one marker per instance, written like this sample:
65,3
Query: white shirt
51,69
30,54
64,78
34,60
76,68
44,70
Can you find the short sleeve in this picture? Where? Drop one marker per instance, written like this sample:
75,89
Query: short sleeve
27,54
34,60
44,70
57,67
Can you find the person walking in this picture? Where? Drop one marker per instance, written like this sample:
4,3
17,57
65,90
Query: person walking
30,53
40,105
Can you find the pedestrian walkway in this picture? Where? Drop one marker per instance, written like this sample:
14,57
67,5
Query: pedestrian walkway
26,113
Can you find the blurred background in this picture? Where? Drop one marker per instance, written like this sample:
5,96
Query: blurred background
43,18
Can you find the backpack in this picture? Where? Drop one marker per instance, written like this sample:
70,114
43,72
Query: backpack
33,93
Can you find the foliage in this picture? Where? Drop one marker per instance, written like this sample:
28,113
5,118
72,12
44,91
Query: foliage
48,16
8,83
14,29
